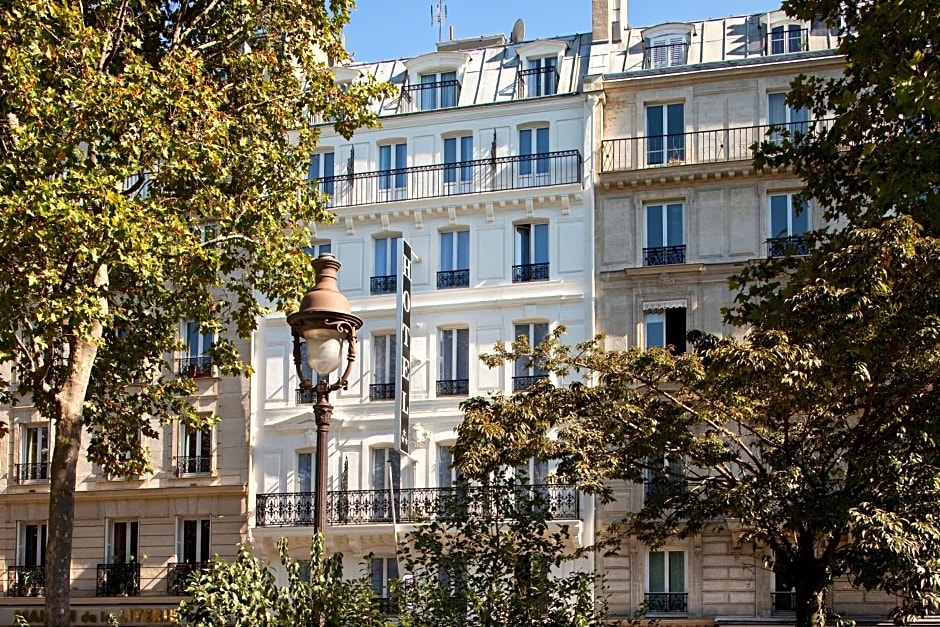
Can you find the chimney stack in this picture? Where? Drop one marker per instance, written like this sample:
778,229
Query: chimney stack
609,20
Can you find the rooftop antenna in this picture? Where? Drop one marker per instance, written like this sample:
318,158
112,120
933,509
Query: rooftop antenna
439,15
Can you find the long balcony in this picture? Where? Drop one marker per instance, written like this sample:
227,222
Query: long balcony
118,580
696,147
667,602
178,576
411,505
26,581
454,179
24,473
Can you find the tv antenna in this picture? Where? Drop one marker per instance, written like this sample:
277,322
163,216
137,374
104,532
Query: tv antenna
439,15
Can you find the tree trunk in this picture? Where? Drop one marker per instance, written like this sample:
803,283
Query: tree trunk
809,601
68,443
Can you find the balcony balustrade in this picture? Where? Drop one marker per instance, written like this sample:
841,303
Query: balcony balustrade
194,367
454,179
387,284
117,580
667,602
411,505
529,272
178,576
782,246
521,384
447,279
23,473
537,81
429,96
381,391
453,387
664,255
26,581
720,145
193,465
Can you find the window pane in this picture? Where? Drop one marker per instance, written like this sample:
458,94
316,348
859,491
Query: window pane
393,255
447,251
777,108
541,243
675,114
314,171
448,89
654,134
654,226
655,330
466,155
204,541
657,572
379,478
674,225
447,355
463,250
800,217
541,141
380,343
381,257
779,226
401,161
676,571
445,461
463,352
428,92
304,467
523,245
525,148
375,575
450,160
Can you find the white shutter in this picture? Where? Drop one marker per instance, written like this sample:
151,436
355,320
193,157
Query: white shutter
108,540
179,540
20,543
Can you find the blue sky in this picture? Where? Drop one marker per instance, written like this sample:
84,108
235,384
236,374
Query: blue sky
389,29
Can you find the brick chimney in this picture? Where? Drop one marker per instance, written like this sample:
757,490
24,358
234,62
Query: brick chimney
608,19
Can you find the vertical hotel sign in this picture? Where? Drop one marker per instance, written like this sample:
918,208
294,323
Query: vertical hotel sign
403,381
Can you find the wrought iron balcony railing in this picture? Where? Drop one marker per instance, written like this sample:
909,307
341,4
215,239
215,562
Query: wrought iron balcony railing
537,81
696,147
31,472
667,602
387,284
117,580
194,367
783,246
430,96
453,387
411,505
447,279
521,384
454,179
664,255
26,581
787,40
381,391
529,272
193,465
178,576
783,601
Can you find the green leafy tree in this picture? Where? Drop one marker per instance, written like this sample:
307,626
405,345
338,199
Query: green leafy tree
490,557
243,593
152,164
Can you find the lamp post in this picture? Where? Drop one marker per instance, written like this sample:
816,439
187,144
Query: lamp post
324,322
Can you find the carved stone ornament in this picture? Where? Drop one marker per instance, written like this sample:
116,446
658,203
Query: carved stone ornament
310,436
419,436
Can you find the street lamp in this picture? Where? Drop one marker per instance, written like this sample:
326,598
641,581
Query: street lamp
325,322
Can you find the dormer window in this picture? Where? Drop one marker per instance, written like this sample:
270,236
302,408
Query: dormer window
786,38
432,81
438,91
666,46
540,77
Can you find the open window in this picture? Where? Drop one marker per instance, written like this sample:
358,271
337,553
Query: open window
664,324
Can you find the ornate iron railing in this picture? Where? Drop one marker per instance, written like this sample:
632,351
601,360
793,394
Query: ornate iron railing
783,601
194,367
453,278
116,580
449,179
537,76
387,284
521,384
26,581
666,602
782,246
411,505
664,255
193,465
445,94
31,472
530,272
711,146
381,391
178,576
453,387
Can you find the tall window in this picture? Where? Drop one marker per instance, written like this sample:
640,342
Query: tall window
195,451
666,327
531,253
122,542
664,474
668,51
534,147
31,547
534,472
666,582
453,377
785,117
541,77
783,589
120,574
447,473
665,242
305,472
322,170
525,374
383,571
385,277
386,468
438,91
455,259
665,138
789,222
384,367
193,542
196,363
34,454
393,159
458,170
788,38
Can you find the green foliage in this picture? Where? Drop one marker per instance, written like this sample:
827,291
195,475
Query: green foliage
243,593
491,557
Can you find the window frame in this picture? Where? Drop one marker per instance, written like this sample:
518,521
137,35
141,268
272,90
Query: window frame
665,551
32,453
322,169
131,541
458,157
675,48
42,541
661,314
385,578
792,199
449,340
433,94
542,82
201,460
392,170
389,357
203,548
535,145
666,147
529,329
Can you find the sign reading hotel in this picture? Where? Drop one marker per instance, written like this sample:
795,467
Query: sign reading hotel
403,381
